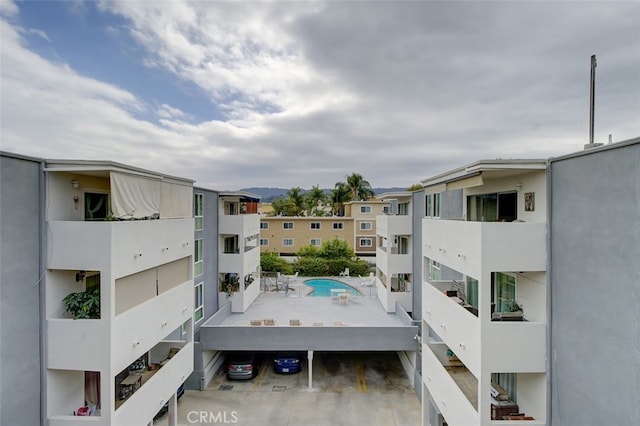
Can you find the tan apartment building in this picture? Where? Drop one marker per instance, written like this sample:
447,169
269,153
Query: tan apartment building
364,215
286,235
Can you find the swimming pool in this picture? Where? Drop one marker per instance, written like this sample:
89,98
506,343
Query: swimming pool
322,287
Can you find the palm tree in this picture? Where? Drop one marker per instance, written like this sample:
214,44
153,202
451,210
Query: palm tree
314,198
359,187
339,195
296,198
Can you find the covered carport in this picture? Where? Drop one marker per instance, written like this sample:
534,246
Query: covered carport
276,323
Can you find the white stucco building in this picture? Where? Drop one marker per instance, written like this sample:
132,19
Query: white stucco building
124,234
484,255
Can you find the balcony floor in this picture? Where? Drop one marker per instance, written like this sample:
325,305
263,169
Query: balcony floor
467,383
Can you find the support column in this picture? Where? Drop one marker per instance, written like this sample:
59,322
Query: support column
310,369
172,414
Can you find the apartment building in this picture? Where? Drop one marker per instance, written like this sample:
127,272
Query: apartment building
484,294
112,304
394,251
239,249
286,235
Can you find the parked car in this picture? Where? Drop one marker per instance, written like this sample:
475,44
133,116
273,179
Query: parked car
287,362
165,407
242,365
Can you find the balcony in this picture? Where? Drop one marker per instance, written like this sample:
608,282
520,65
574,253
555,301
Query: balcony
457,327
452,402
121,247
393,224
515,346
241,224
142,405
470,247
77,344
136,330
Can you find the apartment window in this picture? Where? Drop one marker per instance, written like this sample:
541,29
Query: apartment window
287,225
197,257
287,242
472,292
403,209
385,210
264,225
434,270
264,241
365,226
365,209
495,207
433,205
198,208
96,206
338,225
503,291
316,242
315,225
198,313
366,242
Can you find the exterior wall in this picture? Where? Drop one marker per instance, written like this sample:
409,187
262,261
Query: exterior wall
209,235
302,232
21,204
353,209
595,247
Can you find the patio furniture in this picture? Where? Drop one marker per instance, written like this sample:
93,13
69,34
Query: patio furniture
343,298
335,293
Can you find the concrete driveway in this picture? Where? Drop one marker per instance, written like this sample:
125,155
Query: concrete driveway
348,389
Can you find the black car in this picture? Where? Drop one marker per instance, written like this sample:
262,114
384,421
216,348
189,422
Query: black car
165,407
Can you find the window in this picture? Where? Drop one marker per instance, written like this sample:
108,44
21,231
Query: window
198,313
338,225
508,381
197,257
287,225
198,209
264,225
434,270
96,206
493,207
472,292
316,242
403,209
264,241
287,242
365,226
315,225
366,242
433,205
365,209
504,291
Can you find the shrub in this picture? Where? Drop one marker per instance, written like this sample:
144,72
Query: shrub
308,251
336,249
271,262
311,266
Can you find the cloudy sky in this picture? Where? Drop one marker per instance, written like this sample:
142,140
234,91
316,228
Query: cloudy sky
240,94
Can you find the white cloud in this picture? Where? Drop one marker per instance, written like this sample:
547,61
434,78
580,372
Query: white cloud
313,92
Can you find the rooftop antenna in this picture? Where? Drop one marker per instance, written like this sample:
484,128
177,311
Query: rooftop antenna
592,104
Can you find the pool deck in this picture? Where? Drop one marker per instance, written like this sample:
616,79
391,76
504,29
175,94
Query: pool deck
364,310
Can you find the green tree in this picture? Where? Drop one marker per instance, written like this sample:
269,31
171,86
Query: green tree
359,187
271,262
308,251
336,249
415,187
314,198
339,195
296,201
281,207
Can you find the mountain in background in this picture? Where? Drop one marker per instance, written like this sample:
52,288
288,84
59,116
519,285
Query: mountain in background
269,194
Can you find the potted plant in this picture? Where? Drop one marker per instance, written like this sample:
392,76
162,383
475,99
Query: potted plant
83,304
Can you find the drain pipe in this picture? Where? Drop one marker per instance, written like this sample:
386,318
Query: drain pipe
310,369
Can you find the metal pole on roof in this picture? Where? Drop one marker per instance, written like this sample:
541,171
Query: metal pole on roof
592,98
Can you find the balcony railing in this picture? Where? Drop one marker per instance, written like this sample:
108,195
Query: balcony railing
469,247
457,327
445,392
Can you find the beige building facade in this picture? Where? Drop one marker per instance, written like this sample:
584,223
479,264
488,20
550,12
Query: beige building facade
286,235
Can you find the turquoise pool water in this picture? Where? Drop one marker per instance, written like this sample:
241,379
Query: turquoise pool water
322,287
